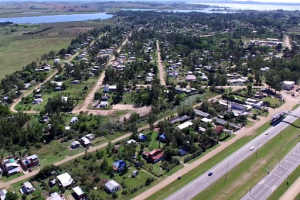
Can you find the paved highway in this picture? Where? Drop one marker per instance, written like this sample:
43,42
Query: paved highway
280,173
202,182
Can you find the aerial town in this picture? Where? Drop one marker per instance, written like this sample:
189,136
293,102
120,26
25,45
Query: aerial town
156,105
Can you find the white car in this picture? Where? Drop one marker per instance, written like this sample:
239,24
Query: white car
252,148
267,133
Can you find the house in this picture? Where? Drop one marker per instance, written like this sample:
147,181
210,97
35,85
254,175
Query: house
75,144
134,173
119,165
2,194
206,120
179,119
201,130
288,85
112,186
131,141
103,104
65,99
65,180
236,106
27,188
78,192
219,129
38,96
182,152
90,136
37,101
163,138
190,78
30,161
47,68
154,156
85,142
74,120
26,86
220,121
142,137
105,97
57,60
54,196
75,81
11,167
201,113
185,125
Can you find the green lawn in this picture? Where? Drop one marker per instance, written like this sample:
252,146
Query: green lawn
196,172
154,144
253,168
273,101
18,51
295,107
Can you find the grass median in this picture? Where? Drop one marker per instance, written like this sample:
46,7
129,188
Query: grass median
249,172
199,170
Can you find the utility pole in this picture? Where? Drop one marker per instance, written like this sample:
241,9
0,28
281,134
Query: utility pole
269,169
287,179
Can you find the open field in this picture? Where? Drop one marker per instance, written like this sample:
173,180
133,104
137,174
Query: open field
238,181
18,50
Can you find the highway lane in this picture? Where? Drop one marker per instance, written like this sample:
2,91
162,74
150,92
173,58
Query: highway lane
202,182
280,173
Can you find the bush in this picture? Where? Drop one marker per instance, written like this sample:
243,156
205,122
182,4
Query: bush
124,192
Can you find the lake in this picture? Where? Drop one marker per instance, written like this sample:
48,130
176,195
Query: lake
56,18
260,7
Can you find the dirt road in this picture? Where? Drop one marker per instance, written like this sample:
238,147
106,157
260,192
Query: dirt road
160,66
98,85
290,102
12,107
292,192
287,42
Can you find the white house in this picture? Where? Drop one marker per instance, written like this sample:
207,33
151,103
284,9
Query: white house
131,141
288,85
2,194
65,179
112,186
86,142
57,60
54,196
185,125
27,188
75,144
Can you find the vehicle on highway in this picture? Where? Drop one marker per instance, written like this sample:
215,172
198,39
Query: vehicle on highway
252,148
267,133
210,174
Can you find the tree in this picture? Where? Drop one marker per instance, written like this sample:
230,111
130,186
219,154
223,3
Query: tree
11,196
151,119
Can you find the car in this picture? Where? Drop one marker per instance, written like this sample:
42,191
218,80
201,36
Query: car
252,148
267,133
30,170
210,174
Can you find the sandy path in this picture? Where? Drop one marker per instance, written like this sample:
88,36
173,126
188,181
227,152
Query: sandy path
160,66
12,108
292,192
287,42
98,85
290,102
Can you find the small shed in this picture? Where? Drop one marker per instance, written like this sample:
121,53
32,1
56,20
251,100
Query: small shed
112,186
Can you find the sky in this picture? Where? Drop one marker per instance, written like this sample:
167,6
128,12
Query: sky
277,1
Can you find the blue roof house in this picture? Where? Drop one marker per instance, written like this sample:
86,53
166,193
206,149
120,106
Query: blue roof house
119,165
182,152
163,138
142,137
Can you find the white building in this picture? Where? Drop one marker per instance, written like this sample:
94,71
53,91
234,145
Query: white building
112,186
288,85
54,196
2,194
65,179
185,125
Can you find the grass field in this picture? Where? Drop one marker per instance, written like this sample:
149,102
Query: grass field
196,172
17,51
253,169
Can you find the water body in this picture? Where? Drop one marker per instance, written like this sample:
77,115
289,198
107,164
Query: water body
260,7
56,18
